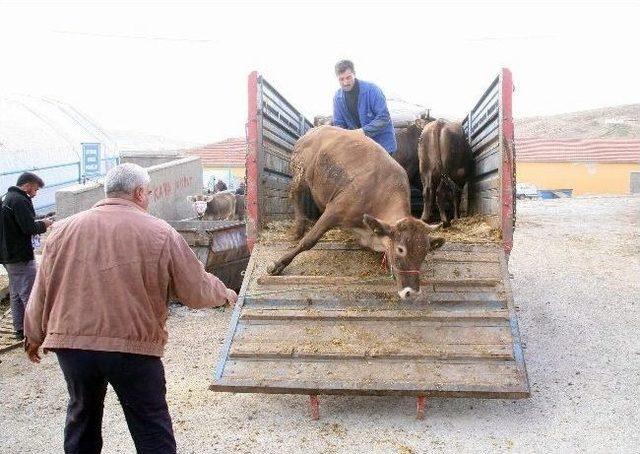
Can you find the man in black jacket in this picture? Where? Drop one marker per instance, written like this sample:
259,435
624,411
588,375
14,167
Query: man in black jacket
18,232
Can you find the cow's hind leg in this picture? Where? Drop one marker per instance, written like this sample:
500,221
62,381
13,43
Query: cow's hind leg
327,221
428,196
297,196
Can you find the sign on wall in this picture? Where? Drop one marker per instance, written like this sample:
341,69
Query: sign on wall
91,159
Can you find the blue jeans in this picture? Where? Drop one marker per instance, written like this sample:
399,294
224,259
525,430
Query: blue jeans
139,383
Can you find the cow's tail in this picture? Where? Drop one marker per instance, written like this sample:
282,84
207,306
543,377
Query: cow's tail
437,138
311,210
300,191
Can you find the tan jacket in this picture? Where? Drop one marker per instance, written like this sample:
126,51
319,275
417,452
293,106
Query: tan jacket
105,278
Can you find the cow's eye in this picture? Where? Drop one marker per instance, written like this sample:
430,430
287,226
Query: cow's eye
401,251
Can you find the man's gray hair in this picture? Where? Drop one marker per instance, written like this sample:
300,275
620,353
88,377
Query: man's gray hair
125,178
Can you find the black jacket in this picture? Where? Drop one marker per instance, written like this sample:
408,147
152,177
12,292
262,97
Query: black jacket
17,225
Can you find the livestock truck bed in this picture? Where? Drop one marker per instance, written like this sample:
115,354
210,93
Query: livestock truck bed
333,323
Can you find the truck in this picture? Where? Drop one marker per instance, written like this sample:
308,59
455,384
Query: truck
334,325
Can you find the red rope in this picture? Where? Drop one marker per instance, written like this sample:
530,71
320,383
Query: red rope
385,262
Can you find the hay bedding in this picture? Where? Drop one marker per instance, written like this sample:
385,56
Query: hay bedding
364,262
472,229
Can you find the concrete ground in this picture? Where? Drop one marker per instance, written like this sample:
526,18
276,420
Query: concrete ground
576,282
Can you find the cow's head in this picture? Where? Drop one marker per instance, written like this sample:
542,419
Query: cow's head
407,243
199,203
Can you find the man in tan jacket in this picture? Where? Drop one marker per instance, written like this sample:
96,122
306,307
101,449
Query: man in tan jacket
100,303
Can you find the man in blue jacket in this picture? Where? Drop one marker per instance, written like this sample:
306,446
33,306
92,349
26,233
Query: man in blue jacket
362,106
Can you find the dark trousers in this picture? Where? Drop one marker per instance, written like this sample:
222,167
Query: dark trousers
139,383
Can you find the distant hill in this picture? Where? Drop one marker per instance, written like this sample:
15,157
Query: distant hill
607,122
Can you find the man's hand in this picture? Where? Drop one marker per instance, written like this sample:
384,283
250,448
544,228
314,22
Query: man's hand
47,222
32,351
232,297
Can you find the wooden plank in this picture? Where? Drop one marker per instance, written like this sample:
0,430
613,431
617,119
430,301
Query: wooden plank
430,377
11,346
347,280
366,338
330,351
486,316
366,296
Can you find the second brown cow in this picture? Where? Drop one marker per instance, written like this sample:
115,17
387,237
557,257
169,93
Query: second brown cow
446,165
219,206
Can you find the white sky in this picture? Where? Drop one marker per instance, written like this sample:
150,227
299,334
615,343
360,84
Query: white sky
180,69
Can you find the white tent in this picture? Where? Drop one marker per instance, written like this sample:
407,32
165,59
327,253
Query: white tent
48,137
402,111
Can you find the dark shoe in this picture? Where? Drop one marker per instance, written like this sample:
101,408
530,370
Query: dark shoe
19,335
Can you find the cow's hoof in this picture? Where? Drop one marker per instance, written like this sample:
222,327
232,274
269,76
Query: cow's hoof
446,224
274,269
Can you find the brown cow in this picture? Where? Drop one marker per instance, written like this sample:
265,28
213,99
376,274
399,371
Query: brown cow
213,207
406,154
355,184
446,164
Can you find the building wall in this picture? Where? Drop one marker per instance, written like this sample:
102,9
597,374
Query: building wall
170,185
582,177
232,176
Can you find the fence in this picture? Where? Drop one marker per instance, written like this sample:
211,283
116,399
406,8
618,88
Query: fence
55,177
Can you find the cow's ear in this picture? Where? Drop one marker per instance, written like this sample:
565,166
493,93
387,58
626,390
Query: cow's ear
431,227
377,226
435,242
191,198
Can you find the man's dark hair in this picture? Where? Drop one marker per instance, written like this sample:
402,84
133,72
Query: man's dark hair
28,177
343,65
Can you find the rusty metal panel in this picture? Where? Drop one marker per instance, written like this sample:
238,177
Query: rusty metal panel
346,331
221,246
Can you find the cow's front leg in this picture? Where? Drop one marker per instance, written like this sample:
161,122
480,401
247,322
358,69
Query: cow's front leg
457,198
446,222
326,222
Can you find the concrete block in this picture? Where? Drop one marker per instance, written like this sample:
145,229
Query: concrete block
77,198
171,183
149,160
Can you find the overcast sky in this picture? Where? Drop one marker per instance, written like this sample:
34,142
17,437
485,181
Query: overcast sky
180,69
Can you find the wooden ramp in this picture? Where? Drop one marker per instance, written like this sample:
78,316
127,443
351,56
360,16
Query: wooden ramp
334,324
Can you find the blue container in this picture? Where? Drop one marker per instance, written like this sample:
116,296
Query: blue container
555,193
